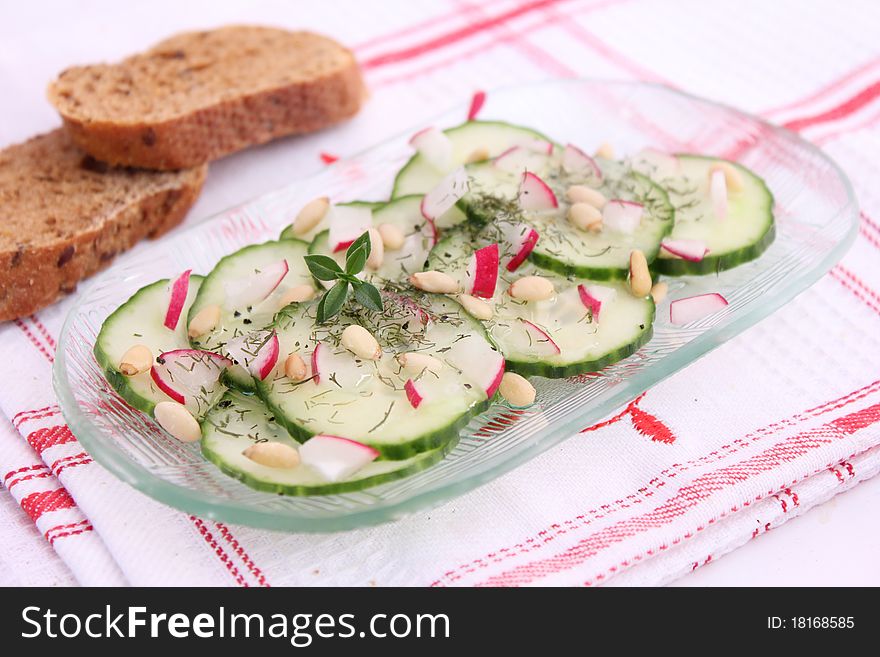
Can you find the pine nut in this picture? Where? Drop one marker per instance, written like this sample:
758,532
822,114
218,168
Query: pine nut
204,322
584,194
311,215
392,237
659,292
136,360
605,151
477,155
295,367
639,276
516,390
413,360
584,216
297,294
273,455
361,342
434,281
732,176
377,250
531,288
476,308
177,421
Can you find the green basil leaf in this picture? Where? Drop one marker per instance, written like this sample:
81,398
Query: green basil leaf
355,259
369,297
334,299
323,267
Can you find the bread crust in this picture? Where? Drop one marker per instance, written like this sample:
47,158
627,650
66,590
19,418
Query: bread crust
33,276
226,125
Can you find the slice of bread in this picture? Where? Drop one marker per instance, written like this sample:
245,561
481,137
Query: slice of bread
201,95
64,215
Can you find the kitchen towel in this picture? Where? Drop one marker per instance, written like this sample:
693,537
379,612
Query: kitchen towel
768,425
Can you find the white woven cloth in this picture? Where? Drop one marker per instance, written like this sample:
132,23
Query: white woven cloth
765,427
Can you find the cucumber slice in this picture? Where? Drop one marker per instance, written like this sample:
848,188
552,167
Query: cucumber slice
140,320
238,421
404,213
367,400
234,269
526,332
742,236
288,234
562,247
419,177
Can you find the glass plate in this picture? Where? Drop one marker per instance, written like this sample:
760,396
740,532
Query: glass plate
817,221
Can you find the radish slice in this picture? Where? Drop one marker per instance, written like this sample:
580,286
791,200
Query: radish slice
413,394
575,161
482,272
419,318
522,239
535,194
595,296
445,194
347,223
690,309
251,290
434,146
693,250
334,457
477,101
257,352
622,216
537,145
337,367
541,342
718,192
188,374
478,363
518,159
179,290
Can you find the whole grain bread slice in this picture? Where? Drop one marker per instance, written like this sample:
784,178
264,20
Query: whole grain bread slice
200,95
63,216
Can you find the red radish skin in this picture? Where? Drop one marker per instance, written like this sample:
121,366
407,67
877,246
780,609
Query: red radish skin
412,393
484,268
168,359
690,309
266,358
574,160
179,290
336,457
165,387
691,250
446,194
493,385
528,240
432,225
347,223
477,101
535,194
591,302
252,290
541,340
316,373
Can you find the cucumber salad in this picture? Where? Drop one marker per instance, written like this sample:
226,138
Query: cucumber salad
352,350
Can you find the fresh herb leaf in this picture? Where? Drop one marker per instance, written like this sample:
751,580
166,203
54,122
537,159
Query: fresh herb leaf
357,254
323,267
368,296
332,302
